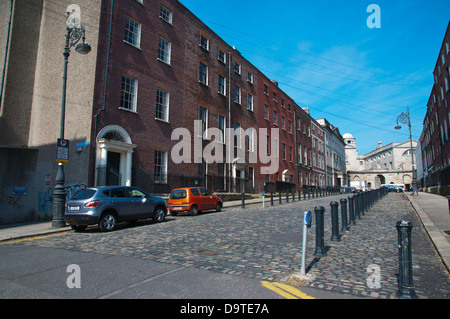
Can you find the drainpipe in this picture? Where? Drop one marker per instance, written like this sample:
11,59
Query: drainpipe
229,148
6,53
104,90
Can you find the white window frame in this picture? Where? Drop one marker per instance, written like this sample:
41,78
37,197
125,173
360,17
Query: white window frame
132,32
203,129
160,168
164,50
204,44
222,59
250,77
162,105
222,87
222,120
203,76
130,93
249,102
165,14
237,94
237,68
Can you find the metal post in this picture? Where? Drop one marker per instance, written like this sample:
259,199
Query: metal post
361,203
351,211
405,283
264,197
243,200
299,195
279,198
334,222
287,196
306,225
271,199
293,195
344,219
320,247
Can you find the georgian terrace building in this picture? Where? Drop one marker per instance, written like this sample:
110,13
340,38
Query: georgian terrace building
156,76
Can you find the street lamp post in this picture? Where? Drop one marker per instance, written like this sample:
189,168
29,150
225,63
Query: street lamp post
404,118
75,32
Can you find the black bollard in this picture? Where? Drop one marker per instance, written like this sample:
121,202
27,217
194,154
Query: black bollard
448,197
344,219
361,203
243,200
405,280
309,192
299,195
287,196
279,198
271,199
351,211
356,206
335,222
320,247
293,195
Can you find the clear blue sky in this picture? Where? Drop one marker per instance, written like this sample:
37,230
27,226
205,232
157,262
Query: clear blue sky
324,56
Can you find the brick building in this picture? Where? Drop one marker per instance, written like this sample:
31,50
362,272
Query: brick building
434,140
317,154
161,101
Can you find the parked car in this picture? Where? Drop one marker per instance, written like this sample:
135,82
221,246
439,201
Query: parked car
391,188
193,200
106,206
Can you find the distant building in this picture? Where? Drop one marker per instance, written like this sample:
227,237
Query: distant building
390,164
336,173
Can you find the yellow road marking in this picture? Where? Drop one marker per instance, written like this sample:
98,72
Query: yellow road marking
286,291
31,238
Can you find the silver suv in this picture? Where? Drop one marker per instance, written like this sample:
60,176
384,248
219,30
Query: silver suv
106,206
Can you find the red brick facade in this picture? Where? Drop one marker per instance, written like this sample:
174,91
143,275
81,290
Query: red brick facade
202,78
435,136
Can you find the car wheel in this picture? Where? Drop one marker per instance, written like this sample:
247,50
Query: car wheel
107,222
218,207
78,227
193,211
159,215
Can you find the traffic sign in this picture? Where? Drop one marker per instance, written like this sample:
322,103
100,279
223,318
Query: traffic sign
62,150
308,218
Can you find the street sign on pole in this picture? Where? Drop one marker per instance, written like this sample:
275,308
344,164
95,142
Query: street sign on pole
306,224
62,150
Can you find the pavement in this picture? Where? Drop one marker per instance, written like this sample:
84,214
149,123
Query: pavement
269,248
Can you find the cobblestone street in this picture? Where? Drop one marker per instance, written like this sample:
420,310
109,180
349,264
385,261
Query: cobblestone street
265,243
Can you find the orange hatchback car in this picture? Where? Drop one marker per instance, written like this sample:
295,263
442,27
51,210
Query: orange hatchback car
193,200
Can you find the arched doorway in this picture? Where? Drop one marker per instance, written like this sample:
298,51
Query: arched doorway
114,157
379,180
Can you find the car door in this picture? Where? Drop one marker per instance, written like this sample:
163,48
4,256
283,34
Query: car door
207,199
142,204
120,200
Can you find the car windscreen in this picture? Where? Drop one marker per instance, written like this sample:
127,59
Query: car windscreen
84,194
178,194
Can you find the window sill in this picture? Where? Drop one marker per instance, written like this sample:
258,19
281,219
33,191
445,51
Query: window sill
127,110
